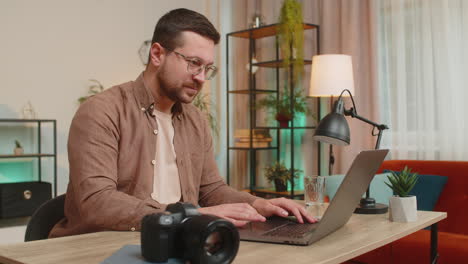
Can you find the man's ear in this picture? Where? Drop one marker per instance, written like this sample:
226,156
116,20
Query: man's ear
157,53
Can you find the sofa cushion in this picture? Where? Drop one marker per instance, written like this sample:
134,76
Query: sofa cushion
427,190
378,189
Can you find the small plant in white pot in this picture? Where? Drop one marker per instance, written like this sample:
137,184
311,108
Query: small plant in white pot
403,207
18,148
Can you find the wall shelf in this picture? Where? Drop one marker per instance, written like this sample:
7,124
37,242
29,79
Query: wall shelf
256,91
253,159
39,155
26,156
264,31
276,63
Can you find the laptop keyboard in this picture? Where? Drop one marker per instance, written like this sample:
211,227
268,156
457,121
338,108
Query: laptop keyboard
292,230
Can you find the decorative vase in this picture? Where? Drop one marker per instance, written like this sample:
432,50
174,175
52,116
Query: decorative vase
18,151
280,186
283,120
403,209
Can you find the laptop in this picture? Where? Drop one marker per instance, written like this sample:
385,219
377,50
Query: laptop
287,231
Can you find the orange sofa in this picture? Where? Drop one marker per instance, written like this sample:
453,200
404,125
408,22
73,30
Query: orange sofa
453,231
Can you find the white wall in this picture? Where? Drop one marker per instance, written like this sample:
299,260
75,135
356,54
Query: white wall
50,48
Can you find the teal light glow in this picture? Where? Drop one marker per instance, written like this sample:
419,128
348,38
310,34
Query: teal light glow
17,171
285,154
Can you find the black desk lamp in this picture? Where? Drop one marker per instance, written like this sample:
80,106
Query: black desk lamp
334,129
330,74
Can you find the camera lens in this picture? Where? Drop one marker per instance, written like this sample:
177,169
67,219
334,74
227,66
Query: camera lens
210,239
213,243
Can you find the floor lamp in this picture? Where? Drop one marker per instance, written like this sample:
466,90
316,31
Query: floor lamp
330,75
334,129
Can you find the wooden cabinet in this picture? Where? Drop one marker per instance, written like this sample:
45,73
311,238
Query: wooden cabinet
22,191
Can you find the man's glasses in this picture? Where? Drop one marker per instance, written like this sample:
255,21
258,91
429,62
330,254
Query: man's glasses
195,67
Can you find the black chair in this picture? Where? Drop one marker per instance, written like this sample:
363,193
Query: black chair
44,219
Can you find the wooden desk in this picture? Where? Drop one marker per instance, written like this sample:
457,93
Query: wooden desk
361,234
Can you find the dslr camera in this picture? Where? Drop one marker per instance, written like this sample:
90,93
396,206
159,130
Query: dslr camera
182,232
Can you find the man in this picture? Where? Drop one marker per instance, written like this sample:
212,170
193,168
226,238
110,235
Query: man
141,145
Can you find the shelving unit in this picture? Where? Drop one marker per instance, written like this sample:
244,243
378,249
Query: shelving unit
252,92
39,155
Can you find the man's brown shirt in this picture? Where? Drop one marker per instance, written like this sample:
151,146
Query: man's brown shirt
111,148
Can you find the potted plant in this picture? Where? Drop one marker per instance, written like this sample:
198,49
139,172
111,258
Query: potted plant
94,88
291,42
403,207
291,37
280,175
280,109
202,102
18,148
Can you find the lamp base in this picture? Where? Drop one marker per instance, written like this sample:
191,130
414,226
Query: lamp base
369,206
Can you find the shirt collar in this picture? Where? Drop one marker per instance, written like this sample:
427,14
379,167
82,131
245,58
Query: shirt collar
146,100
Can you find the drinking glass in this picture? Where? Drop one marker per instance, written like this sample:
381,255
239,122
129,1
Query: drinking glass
314,193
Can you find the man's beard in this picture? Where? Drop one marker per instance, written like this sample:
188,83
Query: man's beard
171,90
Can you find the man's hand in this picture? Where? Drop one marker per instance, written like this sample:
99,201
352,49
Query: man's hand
282,207
238,213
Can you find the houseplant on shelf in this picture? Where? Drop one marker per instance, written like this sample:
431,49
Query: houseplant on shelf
291,37
403,207
280,175
280,109
18,148
291,42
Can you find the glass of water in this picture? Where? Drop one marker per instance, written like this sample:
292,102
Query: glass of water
314,194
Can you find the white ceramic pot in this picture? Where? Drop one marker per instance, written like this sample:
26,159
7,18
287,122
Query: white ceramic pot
18,151
403,209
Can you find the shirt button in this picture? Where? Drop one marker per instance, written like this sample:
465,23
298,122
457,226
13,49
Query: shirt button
143,109
132,229
153,162
155,131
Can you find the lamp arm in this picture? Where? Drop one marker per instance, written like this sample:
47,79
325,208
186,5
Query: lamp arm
379,137
381,127
367,202
352,112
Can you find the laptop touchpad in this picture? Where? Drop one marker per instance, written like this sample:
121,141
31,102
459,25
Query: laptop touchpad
269,224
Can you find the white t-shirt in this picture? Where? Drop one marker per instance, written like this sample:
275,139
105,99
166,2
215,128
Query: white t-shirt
166,184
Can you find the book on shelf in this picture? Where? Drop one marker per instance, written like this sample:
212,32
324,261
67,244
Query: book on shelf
260,138
253,139
264,144
256,133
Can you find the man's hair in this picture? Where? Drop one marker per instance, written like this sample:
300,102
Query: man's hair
171,25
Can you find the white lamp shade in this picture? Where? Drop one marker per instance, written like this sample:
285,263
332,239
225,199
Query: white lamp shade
331,74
